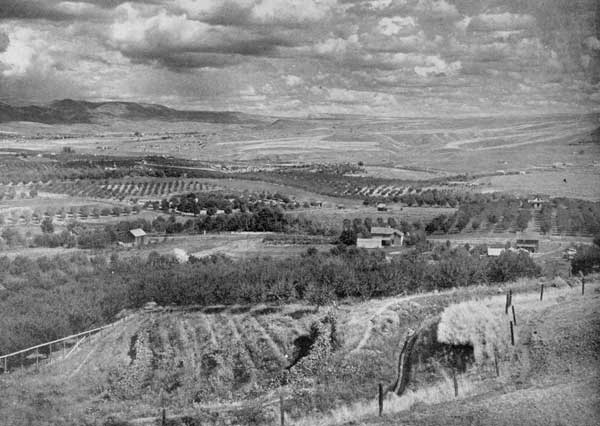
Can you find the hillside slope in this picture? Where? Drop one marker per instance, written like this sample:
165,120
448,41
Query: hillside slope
551,378
69,111
228,365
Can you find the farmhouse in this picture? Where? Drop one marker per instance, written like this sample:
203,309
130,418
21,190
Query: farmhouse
139,237
381,237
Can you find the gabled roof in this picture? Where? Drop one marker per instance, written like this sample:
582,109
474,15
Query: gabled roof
137,232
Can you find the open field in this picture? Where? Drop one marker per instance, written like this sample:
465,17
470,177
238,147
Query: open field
581,182
475,145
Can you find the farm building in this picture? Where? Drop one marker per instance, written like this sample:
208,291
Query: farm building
537,203
381,237
368,243
495,251
530,245
570,253
139,237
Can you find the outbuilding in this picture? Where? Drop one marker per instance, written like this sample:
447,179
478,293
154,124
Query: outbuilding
139,236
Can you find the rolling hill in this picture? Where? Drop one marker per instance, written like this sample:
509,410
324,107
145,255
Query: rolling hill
69,111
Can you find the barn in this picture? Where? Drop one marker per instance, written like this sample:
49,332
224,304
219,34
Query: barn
139,237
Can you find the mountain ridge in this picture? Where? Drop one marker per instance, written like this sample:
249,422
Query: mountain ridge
69,111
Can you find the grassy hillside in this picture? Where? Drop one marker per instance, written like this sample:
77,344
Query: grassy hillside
204,361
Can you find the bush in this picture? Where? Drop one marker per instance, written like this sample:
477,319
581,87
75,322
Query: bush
587,259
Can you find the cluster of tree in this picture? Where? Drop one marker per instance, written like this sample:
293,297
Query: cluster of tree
359,228
211,202
577,216
265,219
504,211
587,259
46,298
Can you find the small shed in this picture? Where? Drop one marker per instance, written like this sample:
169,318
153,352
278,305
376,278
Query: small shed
139,236
530,245
381,207
495,251
569,253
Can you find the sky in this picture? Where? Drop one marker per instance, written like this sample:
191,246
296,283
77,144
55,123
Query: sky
304,57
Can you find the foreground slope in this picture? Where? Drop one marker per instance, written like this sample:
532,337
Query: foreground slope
228,365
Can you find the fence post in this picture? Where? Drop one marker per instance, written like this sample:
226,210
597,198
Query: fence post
455,381
582,286
542,293
514,316
380,399
506,304
164,417
5,365
496,362
512,334
281,410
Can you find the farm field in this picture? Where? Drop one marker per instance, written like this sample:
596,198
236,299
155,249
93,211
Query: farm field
581,182
474,145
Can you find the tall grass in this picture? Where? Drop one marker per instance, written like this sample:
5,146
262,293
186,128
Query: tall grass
440,392
473,323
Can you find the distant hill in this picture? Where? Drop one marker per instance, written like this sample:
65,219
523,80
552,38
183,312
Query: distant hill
69,111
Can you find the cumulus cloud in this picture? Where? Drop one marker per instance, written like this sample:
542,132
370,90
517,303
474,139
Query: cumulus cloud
396,25
176,41
4,41
437,66
592,43
24,51
501,22
293,80
437,9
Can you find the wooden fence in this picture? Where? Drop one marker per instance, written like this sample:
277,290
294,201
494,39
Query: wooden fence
32,355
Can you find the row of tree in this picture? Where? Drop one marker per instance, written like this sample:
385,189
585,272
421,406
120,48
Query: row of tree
47,298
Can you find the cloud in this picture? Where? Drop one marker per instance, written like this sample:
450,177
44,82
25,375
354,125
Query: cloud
57,10
437,10
262,12
176,41
592,43
293,80
4,41
24,51
437,66
396,25
501,22
30,9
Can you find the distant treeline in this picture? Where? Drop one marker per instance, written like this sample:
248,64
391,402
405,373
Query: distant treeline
47,298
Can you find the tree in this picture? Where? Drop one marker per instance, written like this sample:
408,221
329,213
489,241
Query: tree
348,237
47,226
